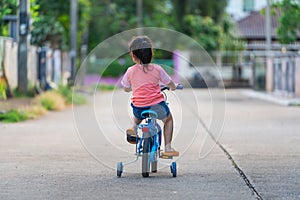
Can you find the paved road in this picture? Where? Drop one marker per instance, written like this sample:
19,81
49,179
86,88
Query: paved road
48,159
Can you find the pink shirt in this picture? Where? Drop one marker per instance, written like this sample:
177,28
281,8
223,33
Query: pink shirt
146,85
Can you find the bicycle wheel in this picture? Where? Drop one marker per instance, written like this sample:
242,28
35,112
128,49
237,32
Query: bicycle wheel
173,168
119,169
154,167
145,157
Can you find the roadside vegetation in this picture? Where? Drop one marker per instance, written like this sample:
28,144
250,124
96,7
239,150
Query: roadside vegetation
52,100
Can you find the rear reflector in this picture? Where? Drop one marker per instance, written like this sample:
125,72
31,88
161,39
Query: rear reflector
145,129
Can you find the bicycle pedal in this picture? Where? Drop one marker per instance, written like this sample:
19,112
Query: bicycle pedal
132,139
165,157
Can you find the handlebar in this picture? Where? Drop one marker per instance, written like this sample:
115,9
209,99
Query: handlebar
178,87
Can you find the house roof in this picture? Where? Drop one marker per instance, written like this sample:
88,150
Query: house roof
253,26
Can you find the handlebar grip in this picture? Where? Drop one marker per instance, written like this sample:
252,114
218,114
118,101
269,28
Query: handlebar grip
179,87
164,88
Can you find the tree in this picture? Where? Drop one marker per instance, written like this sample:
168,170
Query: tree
203,30
111,17
205,8
204,20
212,8
289,23
7,7
52,22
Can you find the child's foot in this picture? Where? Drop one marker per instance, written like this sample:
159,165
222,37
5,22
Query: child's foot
170,152
131,136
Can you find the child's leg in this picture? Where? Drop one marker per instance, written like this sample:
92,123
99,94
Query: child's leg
168,134
131,132
168,131
136,122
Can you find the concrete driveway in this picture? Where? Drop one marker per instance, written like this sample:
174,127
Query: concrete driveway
56,157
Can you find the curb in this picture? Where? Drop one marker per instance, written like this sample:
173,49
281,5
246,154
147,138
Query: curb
273,98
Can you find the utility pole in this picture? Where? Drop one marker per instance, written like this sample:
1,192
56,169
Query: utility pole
73,35
23,45
268,29
269,67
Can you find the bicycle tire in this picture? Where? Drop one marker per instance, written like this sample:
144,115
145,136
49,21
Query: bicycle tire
145,157
154,167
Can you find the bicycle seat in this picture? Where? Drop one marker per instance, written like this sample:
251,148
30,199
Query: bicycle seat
149,113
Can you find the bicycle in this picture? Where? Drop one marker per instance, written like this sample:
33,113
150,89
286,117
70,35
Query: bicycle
148,145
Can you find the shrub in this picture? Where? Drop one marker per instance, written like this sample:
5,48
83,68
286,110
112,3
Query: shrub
32,112
51,100
66,92
2,88
12,116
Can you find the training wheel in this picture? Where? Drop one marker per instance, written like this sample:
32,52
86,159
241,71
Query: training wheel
173,169
119,169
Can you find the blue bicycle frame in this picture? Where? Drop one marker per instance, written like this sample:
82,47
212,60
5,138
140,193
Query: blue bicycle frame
150,130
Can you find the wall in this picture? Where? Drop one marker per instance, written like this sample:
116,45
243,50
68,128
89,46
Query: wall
10,57
283,75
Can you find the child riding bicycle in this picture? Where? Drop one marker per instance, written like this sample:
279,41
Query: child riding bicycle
144,79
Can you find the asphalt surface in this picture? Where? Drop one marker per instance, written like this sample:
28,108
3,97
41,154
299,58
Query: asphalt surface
73,154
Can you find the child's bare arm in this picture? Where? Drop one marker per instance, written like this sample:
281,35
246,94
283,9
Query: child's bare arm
127,89
172,85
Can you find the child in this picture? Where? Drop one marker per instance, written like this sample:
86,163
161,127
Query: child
144,80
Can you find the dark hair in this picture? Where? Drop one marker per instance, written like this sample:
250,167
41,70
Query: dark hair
141,47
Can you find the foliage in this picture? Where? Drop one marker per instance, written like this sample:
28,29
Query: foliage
7,7
12,116
104,87
289,23
22,114
32,112
232,46
78,99
205,8
203,30
70,96
47,29
115,69
229,43
213,9
3,88
111,17
52,22
119,66
205,21
31,92
51,100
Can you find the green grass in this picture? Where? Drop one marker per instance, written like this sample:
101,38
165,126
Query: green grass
12,116
31,92
70,96
50,100
104,87
78,99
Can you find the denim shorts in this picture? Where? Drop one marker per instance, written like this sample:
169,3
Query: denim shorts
162,110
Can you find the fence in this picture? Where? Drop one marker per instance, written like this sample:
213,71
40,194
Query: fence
283,75
235,69
9,64
279,73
